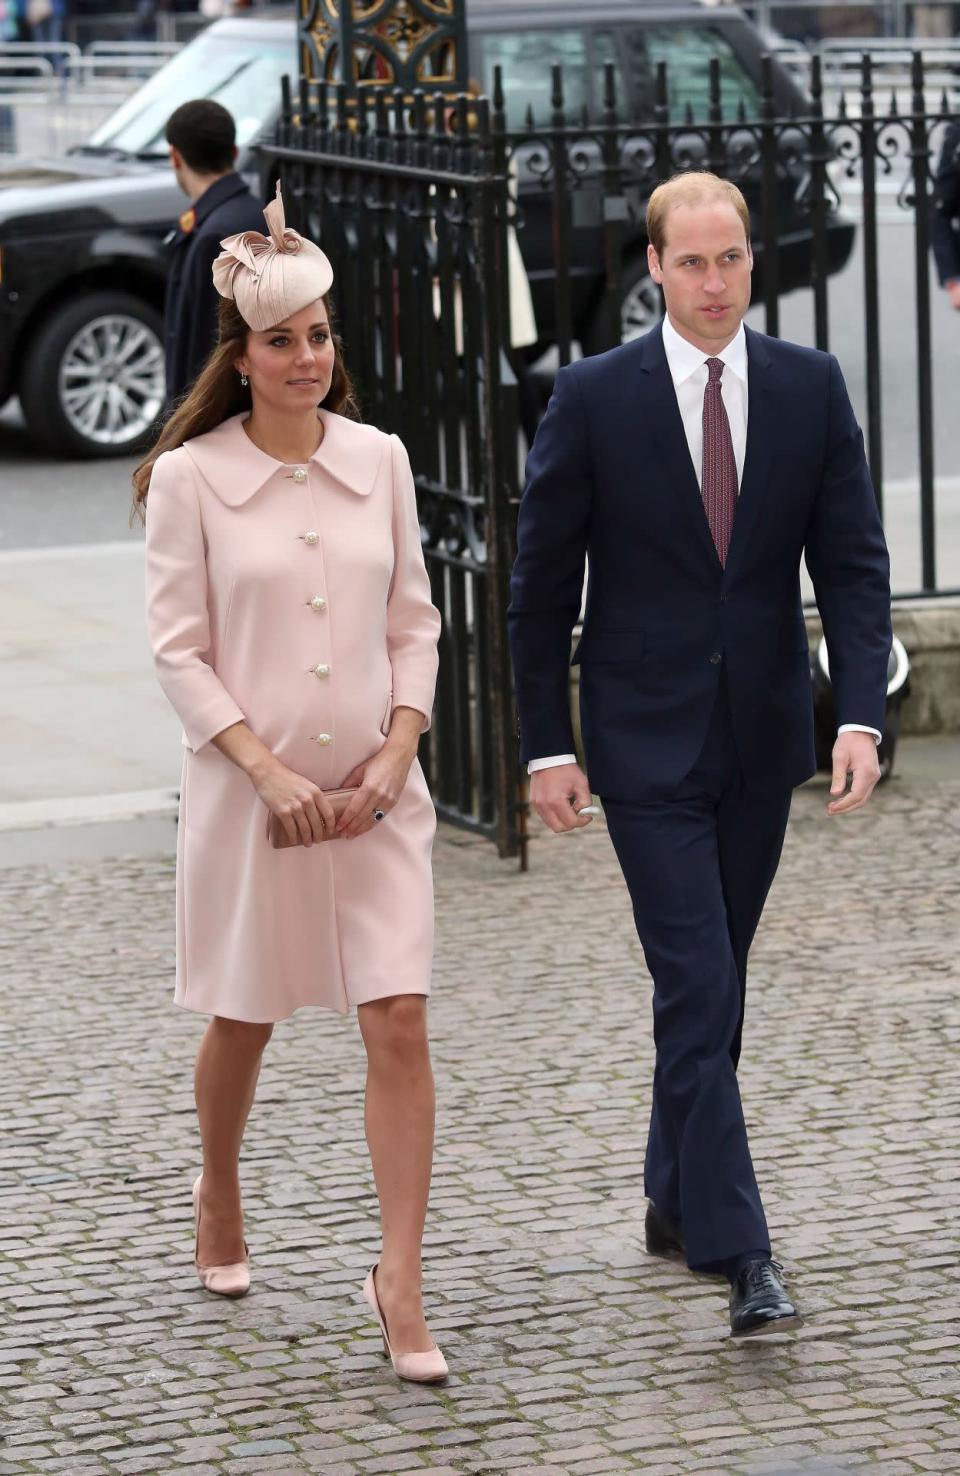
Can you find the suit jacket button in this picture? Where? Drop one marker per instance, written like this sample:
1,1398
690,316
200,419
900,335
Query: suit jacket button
715,658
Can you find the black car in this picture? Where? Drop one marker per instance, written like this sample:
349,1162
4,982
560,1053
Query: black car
82,260
525,38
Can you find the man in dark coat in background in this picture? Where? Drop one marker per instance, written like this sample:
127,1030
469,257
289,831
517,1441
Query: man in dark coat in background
203,150
945,215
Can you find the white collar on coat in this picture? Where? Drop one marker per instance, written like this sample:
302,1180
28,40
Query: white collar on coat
235,468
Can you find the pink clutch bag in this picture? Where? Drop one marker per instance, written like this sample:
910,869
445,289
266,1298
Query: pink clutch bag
338,798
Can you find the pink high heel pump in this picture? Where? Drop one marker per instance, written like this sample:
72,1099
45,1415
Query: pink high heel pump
232,1280
418,1368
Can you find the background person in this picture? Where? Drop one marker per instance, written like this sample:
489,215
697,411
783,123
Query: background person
290,615
696,466
522,324
45,19
945,215
202,139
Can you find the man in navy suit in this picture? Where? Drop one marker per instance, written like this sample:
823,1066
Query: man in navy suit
692,469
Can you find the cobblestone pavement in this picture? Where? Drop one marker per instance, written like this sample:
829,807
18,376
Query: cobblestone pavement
572,1353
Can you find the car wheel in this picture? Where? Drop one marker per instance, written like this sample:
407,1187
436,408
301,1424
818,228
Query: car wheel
93,380
640,309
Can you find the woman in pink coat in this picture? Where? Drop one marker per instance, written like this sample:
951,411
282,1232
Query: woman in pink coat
290,616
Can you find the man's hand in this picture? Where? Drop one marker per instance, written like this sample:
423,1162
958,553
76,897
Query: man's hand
953,292
557,794
856,754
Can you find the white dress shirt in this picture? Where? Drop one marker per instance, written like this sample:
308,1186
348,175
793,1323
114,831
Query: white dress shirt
688,370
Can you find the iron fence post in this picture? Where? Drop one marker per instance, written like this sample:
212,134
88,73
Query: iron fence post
561,217
819,158
871,281
768,204
614,209
920,156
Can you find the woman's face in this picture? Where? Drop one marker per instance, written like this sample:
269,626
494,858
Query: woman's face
291,365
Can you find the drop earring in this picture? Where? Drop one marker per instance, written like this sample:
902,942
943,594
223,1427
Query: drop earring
243,379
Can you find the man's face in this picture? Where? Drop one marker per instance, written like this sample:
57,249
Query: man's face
704,271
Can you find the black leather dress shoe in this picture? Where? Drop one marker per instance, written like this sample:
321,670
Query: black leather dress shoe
759,1301
663,1235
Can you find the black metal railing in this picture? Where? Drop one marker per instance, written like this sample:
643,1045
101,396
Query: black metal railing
583,185
415,197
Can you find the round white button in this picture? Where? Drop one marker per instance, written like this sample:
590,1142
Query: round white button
321,670
311,538
299,475
318,603
323,738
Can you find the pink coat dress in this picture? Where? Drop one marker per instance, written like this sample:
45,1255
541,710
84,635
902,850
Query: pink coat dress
294,598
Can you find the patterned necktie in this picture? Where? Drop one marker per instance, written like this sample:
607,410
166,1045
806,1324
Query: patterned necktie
719,463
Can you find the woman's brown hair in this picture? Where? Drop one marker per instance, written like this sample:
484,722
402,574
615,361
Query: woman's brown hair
218,394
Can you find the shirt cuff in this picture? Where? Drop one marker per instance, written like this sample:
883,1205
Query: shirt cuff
858,728
551,763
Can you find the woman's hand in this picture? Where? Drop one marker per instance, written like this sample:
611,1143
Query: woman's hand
303,810
381,777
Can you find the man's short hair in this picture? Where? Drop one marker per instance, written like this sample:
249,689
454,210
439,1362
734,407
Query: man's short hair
696,187
205,134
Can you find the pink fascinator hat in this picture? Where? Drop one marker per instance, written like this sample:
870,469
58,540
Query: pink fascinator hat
270,277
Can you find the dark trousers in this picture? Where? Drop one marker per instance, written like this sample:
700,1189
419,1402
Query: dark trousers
698,864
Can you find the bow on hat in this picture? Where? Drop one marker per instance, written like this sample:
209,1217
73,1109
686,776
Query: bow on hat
271,277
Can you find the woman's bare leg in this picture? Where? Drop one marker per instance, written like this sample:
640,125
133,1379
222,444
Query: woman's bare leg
399,1122
228,1064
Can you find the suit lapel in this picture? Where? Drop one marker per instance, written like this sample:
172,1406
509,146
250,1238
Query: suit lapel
671,440
754,484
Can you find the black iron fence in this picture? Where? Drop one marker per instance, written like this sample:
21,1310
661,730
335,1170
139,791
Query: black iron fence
416,200
816,185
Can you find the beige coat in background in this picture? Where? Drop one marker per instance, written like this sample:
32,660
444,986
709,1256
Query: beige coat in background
295,598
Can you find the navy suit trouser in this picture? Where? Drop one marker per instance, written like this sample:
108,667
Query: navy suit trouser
699,863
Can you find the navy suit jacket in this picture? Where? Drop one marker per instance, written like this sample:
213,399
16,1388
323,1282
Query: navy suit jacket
610,477
190,305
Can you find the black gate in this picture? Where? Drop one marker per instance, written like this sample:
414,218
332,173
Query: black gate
411,209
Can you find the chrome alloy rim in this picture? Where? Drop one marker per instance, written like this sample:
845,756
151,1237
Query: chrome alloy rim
111,381
639,310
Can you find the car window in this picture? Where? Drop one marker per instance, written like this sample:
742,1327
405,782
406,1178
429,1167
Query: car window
688,50
243,75
526,58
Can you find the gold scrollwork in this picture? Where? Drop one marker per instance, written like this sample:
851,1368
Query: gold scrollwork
383,42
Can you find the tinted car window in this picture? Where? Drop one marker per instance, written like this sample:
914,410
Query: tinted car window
688,50
526,58
243,76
